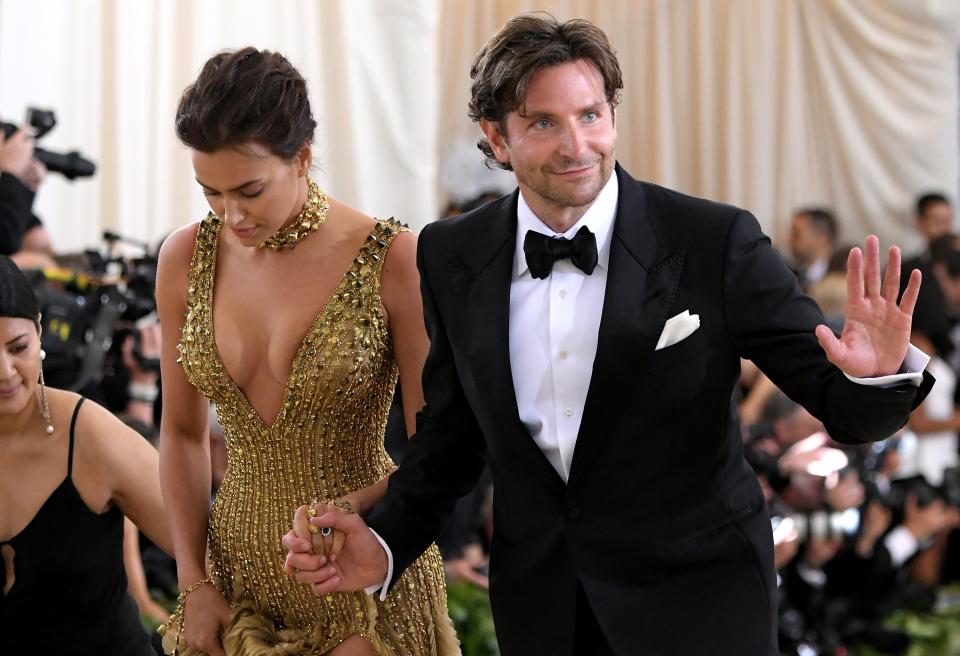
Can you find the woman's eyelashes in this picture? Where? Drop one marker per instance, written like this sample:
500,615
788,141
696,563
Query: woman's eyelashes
246,194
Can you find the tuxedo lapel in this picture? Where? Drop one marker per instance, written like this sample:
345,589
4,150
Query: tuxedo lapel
641,282
481,280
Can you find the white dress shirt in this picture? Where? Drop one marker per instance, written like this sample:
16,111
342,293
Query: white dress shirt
554,324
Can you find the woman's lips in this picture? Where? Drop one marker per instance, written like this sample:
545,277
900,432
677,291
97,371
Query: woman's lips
7,392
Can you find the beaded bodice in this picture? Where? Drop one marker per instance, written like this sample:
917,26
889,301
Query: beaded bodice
326,441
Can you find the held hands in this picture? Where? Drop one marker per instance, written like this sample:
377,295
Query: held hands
357,563
323,541
876,331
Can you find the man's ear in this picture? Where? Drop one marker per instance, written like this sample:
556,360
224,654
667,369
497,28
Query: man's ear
496,139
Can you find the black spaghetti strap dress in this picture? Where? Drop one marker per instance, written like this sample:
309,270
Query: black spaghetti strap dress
69,593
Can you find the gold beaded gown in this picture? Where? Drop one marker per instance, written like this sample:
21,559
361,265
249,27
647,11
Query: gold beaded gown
326,442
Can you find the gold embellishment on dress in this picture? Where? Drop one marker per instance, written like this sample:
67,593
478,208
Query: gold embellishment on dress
313,214
326,442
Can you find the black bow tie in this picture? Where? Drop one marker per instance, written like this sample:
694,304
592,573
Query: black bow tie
542,251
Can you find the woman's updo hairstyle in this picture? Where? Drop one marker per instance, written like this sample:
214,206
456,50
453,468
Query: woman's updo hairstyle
244,96
17,299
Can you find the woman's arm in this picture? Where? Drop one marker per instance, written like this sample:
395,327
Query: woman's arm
136,578
184,439
127,464
921,423
400,292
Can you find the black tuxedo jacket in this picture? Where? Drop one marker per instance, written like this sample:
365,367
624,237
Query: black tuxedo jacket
662,522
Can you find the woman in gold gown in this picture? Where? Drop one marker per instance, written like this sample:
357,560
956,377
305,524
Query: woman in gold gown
294,314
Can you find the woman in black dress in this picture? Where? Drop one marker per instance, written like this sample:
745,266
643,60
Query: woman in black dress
69,472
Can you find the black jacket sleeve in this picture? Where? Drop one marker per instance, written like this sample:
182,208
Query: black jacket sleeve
15,215
446,455
772,322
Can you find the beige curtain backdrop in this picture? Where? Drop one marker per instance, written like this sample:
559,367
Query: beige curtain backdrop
114,70
766,104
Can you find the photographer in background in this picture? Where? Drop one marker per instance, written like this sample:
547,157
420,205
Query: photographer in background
20,176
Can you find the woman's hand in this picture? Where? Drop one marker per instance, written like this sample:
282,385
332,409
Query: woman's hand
326,542
206,615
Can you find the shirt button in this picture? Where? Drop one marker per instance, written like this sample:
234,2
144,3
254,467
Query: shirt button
568,412
564,355
563,293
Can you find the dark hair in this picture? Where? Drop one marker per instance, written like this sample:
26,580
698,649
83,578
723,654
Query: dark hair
508,61
17,299
926,200
244,96
946,250
821,220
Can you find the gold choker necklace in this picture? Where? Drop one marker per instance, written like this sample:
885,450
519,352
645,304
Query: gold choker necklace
313,214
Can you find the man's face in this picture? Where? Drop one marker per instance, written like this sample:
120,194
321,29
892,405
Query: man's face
935,221
560,142
949,284
804,241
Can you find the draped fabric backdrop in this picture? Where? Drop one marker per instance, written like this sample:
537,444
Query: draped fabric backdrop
768,104
114,70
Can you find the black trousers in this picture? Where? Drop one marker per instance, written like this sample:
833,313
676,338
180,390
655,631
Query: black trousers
588,638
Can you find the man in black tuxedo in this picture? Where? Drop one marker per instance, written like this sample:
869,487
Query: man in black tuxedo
586,334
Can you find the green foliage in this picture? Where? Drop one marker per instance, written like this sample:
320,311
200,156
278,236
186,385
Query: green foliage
936,633
470,611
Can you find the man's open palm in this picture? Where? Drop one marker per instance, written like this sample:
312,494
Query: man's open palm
876,331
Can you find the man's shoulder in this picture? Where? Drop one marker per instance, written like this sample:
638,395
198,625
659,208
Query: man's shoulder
680,219
662,201
462,230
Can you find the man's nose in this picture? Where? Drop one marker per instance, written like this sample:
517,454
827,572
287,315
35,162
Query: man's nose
574,143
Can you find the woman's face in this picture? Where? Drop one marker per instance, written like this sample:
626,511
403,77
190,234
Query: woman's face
252,190
19,364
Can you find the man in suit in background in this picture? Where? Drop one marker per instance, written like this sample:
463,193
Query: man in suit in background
586,334
813,237
934,217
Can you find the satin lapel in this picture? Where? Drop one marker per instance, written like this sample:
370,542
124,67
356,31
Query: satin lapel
481,281
641,283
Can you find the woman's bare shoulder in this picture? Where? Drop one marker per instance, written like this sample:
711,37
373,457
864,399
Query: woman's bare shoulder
177,249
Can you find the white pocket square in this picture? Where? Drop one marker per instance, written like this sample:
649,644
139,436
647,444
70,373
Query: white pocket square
678,328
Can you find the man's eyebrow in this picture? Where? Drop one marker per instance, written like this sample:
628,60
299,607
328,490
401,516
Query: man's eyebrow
535,113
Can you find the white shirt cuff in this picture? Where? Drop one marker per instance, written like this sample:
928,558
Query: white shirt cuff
382,587
901,544
910,371
815,578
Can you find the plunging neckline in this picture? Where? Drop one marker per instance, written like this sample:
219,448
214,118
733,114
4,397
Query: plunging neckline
298,354
46,502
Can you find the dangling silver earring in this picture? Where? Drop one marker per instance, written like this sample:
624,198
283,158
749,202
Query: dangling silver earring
44,407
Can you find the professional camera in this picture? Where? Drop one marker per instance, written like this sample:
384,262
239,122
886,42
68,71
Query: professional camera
90,308
71,165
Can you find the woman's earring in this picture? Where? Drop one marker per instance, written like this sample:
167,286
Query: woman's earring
44,407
